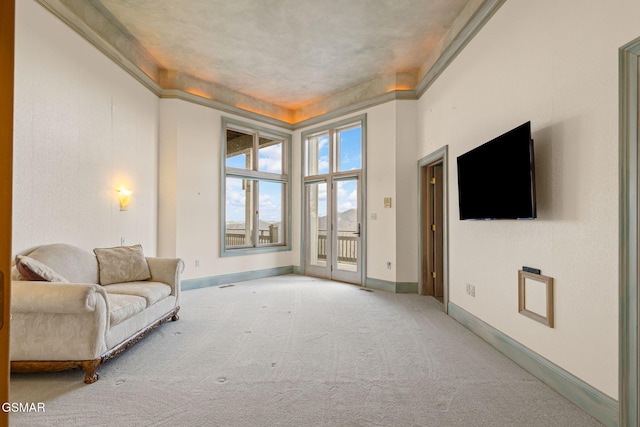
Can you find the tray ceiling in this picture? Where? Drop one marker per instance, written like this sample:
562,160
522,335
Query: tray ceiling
284,59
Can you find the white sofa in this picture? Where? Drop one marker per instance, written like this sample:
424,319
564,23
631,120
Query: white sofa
74,321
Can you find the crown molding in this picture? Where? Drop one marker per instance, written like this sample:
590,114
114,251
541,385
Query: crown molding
396,95
480,16
88,19
221,106
110,36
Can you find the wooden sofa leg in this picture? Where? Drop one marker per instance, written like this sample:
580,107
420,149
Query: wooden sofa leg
90,374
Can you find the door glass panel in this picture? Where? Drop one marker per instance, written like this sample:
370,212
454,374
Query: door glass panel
349,149
239,226
270,208
317,155
347,224
239,148
333,161
270,155
317,199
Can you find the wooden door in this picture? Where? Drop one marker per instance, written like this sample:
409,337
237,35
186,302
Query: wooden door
437,230
432,230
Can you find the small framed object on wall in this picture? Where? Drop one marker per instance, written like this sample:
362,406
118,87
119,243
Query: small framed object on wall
535,297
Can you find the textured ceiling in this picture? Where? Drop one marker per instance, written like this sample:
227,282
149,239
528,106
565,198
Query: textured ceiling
287,52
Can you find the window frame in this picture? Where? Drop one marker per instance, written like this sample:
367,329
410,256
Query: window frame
307,178
256,176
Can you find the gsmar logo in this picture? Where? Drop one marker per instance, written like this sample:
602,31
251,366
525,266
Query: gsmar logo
23,407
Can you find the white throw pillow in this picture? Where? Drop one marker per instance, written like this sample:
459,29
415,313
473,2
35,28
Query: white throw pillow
122,264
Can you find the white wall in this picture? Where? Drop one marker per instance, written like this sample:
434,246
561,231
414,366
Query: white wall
406,191
554,62
189,216
83,127
381,183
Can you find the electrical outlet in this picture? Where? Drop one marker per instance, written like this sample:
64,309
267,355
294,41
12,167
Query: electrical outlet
389,265
122,241
473,291
197,263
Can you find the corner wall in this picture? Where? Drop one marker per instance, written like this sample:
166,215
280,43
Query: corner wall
556,64
189,215
407,192
83,127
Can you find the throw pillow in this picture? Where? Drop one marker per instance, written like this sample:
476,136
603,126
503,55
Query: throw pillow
36,271
122,264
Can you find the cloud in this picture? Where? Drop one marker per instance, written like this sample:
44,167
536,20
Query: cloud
323,141
266,199
270,159
323,165
234,184
235,198
270,204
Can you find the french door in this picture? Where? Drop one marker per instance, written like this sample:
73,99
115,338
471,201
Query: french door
333,213
334,228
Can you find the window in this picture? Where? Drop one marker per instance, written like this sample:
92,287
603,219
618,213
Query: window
255,189
334,151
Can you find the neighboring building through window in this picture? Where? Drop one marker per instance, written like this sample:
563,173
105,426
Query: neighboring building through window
255,189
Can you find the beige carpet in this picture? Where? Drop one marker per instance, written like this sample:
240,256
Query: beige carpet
297,351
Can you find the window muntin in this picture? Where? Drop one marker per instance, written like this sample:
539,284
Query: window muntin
256,189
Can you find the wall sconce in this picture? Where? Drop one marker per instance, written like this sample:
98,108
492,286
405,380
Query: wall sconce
124,196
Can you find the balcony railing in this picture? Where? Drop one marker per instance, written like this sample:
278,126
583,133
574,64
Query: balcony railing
347,242
347,248
237,237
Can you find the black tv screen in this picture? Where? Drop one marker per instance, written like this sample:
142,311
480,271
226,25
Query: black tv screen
496,180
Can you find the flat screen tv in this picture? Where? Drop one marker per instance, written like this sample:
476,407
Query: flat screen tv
496,180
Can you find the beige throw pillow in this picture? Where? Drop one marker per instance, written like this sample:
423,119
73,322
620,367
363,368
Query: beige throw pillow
34,270
122,264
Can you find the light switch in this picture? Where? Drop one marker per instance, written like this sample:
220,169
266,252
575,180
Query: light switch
387,202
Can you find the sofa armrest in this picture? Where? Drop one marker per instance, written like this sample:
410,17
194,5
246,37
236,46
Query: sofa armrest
58,321
166,270
48,297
